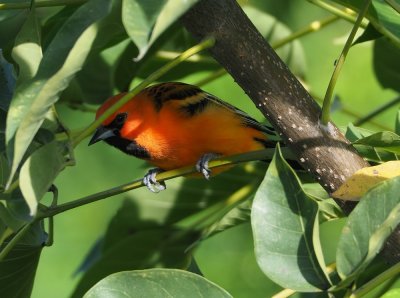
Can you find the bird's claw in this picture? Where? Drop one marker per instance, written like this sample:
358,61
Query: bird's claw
151,182
202,164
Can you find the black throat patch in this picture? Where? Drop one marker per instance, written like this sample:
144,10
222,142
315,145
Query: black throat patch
129,147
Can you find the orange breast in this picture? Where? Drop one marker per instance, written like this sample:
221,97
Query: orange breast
175,139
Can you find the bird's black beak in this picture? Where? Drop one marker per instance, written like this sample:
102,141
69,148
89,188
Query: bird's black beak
102,133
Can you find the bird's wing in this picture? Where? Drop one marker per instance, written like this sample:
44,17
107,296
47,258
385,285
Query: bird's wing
247,120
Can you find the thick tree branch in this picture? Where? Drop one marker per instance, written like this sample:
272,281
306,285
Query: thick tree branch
254,65
243,52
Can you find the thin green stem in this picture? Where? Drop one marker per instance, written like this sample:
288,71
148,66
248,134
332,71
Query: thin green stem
212,214
235,159
312,27
9,246
347,14
351,113
377,111
48,3
377,281
394,5
213,76
326,106
13,186
207,43
209,214
169,55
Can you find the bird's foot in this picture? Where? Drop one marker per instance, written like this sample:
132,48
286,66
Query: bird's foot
202,164
151,182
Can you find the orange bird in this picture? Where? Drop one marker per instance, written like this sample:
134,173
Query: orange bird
172,125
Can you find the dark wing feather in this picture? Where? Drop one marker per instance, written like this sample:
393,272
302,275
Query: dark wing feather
247,120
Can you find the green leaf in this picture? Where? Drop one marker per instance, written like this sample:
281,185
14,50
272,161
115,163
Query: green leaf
373,154
27,51
55,22
39,171
156,283
145,21
236,216
397,123
371,222
62,59
7,86
9,219
140,250
18,269
4,170
370,33
394,293
385,139
328,208
285,228
383,17
13,21
387,63
96,82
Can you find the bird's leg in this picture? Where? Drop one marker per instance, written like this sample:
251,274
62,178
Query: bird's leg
151,182
202,164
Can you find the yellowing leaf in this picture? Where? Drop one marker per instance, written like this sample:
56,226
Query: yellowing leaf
366,178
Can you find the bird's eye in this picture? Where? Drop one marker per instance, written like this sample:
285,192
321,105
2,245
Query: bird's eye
120,119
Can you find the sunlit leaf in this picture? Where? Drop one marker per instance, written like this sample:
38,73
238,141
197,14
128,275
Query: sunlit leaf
96,81
27,51
145,21
368,226
62,59
366,178
156,283
285,227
